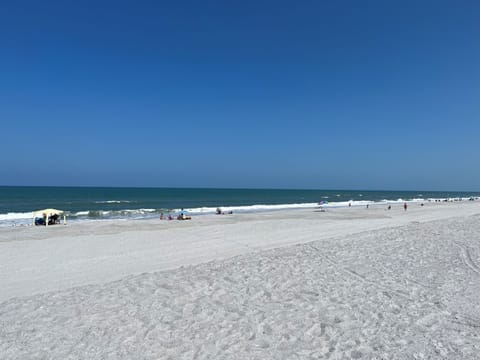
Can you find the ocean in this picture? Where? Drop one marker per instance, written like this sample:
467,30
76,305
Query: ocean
17,204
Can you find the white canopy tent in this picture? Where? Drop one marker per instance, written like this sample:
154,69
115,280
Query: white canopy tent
48,213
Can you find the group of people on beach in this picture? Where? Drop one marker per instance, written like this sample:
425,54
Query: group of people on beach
405,206
389,207
181,216
52,220
220,212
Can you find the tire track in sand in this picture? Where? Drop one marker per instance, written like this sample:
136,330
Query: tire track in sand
386,290
456,317
467,258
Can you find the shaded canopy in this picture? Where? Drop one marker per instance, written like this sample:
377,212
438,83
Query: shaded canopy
47,212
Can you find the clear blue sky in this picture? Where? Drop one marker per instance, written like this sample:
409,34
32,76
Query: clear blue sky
276,94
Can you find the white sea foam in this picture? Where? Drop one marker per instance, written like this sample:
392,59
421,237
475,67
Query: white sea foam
107,213
16,219
250,208
16,216
113,202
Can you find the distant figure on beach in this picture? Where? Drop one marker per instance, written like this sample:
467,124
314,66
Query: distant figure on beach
405,206
183,216
161,216
349,204
54,219
220,212
367,206
389,207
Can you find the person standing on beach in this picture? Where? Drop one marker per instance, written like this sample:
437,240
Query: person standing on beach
405,206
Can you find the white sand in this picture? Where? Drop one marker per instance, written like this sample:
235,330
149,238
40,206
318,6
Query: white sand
358,284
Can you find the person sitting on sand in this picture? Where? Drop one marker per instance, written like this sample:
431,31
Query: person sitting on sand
182,216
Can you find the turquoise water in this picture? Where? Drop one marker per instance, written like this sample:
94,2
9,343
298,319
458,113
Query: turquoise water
100,202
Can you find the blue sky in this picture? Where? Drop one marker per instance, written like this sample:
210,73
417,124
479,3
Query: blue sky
268,94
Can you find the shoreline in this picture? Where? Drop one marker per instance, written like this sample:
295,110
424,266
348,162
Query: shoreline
24,218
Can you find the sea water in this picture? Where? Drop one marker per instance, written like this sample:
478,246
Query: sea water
17,204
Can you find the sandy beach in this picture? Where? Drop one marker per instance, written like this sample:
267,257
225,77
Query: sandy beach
300,284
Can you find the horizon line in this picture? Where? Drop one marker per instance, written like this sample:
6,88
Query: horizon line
229,188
